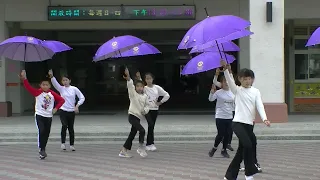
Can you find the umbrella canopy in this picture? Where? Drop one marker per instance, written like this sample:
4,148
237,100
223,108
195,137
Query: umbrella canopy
140,50
314,38
212,28
205,62
230,37
25,48
226,46
56,46
116,46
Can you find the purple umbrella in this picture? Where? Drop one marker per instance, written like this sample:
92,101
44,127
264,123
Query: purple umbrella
56,46
212,28
25,48
205,62
227,46
140,50
116,46
315,38
230,37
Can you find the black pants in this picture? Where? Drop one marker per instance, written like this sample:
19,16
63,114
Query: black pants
231,131
151,119
67,121
135,127
245,134
224,128
44,127
254,148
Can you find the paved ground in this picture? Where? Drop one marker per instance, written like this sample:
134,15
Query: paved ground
285,161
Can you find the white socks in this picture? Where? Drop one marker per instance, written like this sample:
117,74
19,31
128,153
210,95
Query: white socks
249,177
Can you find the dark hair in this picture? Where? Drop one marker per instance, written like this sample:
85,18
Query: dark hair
44,80
65,76
246,73
136,82
149,74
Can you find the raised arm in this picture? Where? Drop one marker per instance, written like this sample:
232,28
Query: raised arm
216,82
80,96
33,91
212,95
162,92
131,89
54,81
260,107
230,81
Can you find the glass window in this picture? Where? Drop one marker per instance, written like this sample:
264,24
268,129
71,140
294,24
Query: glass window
301,66
300,44
314,66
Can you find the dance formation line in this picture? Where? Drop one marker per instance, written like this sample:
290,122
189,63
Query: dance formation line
235,112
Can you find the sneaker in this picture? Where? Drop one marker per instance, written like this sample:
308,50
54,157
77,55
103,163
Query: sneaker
229,147
151,147
63,147
225,154
124,154
142,151
72,148
42,154
249,177
212,151
259,168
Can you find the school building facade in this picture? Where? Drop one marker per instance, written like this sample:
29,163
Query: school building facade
287,73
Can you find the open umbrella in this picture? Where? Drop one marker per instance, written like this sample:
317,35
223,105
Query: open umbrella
314,38
140,50
116,46
25,48
205,62
56,46
226,46
212,28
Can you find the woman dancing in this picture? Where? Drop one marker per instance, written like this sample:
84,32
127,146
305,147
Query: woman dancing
153,92
69,108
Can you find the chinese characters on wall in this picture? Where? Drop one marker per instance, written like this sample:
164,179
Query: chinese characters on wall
121,12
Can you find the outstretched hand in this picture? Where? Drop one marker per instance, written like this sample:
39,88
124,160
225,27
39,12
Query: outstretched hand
138,75
126,75
50,73
23,75
267,123
223,63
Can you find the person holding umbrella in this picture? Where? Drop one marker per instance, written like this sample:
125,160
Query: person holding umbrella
69,108
153,92
219,85
247,101
137,110
44,110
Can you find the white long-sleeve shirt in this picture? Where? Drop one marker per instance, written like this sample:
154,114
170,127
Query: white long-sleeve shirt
218,84
225,103
69,95
153,94
138,102
247,100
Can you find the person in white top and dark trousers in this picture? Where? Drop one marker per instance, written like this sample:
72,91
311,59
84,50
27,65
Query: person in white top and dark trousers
153,92
218,84
224,115
247,101
69,108
138,108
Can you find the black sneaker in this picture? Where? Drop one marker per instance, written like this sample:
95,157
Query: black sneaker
42,154
229,147
212,151
225,154
259,168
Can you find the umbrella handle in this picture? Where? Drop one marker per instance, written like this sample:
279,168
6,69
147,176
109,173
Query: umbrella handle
224,52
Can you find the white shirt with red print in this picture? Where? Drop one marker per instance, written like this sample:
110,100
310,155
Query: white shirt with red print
44,100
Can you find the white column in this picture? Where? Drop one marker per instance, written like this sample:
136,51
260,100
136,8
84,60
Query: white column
244,43
3,36
267,50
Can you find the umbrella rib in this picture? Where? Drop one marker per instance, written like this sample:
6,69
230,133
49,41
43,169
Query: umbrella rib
46,51
16,49
37,52
9,46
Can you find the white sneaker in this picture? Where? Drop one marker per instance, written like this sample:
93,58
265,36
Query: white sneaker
72,148
63,147
249,177
142,152
151,147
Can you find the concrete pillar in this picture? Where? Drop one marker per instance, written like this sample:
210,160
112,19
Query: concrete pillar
267,56
3,68
244,43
